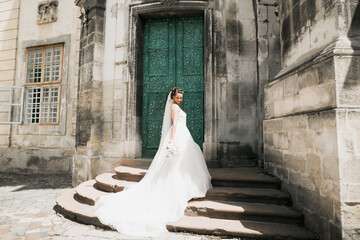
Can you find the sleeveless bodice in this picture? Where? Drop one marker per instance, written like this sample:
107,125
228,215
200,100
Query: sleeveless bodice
182,117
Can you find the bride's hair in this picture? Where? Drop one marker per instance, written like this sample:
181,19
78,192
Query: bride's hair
176,90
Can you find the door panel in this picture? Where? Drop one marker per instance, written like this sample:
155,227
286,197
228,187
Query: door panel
173,56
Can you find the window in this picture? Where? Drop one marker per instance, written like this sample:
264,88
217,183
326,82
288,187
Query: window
11,103
43,84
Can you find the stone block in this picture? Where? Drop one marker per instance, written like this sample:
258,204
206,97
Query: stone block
294,161
9,5
121,54
310,200
330,169
291,85
326,208
8,35
274,91
351,216
296,123
7,65
8,55
245,10
349,94
281,140
351,192
303,180
326,71
308,78
274,125
8,44
268,139
263,48
269,110
4,129
273,155
282,173
328,189
313,165
320,121
9,14
350,167
7,75
9,24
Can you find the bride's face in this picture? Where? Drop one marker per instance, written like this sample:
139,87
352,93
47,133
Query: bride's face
178,98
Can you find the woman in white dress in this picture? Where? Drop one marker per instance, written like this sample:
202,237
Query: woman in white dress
177,174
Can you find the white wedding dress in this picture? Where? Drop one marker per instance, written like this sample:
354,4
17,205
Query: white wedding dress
161,196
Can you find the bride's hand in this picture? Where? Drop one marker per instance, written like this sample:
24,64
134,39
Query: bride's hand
171,141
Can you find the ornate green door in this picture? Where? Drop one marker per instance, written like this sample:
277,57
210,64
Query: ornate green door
173,56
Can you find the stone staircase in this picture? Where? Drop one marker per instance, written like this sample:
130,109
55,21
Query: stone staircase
243,203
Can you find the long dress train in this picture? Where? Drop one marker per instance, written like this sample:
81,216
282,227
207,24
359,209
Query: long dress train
161,196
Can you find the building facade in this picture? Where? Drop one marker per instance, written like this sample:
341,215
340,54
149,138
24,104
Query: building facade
267,83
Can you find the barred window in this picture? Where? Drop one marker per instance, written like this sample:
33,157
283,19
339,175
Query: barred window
43,84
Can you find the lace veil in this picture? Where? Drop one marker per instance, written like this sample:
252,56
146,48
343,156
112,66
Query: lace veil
167,119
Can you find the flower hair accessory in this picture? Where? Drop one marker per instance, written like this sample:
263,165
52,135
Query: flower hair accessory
172,150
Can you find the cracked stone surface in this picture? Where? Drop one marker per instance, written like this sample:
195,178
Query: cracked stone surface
27,212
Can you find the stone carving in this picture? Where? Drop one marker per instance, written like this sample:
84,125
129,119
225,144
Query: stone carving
47,11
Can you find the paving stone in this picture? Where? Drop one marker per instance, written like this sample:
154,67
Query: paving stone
26,211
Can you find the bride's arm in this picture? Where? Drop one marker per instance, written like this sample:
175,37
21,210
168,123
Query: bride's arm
174,111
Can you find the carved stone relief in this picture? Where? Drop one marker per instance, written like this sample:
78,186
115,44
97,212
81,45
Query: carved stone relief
47,11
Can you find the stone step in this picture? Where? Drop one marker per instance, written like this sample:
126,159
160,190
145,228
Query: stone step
80,212
254,195
136,162
130,173
243,177
240,228
244,211
87,192
110,183
71,208
226,177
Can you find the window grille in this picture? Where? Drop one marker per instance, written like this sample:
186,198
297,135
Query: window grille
43,84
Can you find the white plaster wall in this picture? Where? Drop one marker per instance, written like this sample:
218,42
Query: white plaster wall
59,139
9,18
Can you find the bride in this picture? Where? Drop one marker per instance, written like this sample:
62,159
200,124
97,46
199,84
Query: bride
177,174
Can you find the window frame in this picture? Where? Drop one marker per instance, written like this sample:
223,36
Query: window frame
11,104
43,84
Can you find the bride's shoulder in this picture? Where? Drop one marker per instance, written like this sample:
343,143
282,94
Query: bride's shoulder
175,107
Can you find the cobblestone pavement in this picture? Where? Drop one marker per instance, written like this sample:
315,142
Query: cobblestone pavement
27,212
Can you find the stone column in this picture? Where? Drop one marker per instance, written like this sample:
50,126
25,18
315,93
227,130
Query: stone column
89,108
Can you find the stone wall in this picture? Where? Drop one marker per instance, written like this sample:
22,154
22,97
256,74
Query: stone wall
312,113
38,148
233,95
307,25
268,57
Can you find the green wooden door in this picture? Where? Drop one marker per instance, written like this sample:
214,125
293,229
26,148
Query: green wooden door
173,56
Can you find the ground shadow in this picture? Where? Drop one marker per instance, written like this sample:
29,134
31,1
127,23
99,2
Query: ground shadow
27,182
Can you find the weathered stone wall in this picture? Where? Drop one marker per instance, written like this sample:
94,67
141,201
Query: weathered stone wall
268,57
238,125
312,113
307,25
233,95
9,18
46,148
